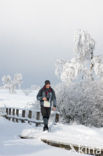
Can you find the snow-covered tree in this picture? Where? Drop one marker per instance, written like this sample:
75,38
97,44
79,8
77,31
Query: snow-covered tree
80,67
6,80
81,102
84,45
80,94
97,62
10,83
59,66
18,80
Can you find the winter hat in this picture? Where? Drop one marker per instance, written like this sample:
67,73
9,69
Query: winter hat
47,82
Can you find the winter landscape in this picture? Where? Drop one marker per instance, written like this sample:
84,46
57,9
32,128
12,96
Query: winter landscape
55,45
73,133
79,101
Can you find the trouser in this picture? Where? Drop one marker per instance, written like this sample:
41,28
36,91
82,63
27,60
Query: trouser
45,111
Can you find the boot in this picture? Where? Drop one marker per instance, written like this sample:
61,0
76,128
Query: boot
45,128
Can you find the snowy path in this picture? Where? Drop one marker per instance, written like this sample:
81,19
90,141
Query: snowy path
70,134
11,144
90,140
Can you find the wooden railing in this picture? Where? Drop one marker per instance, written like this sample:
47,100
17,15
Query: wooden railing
24,115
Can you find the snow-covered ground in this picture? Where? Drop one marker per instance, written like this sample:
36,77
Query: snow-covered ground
11,144
19,99
70,134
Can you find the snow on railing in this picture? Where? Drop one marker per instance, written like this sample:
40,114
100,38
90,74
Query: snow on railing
25,115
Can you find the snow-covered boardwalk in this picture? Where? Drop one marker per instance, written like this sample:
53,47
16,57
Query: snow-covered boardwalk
74,147
75,137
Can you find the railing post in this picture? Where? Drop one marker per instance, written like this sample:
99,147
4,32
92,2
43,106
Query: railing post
13,113
29,115
37,118
9,113
17,114
23,116
57,117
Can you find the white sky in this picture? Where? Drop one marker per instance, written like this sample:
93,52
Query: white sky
34,33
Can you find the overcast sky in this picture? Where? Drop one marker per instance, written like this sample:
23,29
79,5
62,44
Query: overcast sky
34,33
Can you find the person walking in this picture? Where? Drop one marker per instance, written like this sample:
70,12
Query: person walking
47,98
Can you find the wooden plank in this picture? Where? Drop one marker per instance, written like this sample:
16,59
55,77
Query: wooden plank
37,117
57,117
30,114
7,111
77,148
17,114
13,113
23,115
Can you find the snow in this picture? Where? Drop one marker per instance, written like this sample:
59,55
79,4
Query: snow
70,134
11,144
80,67
19,99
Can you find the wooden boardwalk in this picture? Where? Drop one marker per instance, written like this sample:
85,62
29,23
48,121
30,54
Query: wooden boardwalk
74,147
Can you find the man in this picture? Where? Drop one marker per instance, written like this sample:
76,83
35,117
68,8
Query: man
46,96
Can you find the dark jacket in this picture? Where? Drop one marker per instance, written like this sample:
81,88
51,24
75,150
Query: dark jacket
49,93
